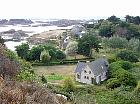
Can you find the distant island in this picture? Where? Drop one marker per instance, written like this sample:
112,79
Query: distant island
15,22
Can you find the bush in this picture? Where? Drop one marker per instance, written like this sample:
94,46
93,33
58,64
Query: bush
115,42
111,58
123,64
43,79
125,78
113,67
69,85
116,71
26,75
127,55
126,65
60,55
113,83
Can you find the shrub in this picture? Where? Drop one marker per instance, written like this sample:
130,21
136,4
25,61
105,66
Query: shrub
111,58
128,56
60,55
116,71
69,85
113,67
43,79
126,65
113,83
115,42
125,78
26,75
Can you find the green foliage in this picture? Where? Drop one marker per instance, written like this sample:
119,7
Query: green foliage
60,55
135,71
86,43
72,48
133,45
116,70
111,58
105,31
113,67
126,65
55,77
116,96
128,56
44,56
11,55
115,42
35,52
69,85
43,79
26,75
125,78
24,64
113,19
23,51
134,31
113,83
138,86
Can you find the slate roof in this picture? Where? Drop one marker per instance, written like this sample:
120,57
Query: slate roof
98,66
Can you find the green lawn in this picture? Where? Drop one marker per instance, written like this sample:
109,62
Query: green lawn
54,77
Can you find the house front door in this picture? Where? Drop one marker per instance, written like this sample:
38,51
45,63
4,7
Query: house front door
93,81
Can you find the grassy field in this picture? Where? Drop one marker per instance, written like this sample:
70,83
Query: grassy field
56,73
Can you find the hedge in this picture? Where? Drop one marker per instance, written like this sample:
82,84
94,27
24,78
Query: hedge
61,62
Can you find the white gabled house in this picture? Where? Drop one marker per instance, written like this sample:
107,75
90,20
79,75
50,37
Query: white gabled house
92,72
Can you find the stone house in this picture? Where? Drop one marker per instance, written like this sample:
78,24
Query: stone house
92,72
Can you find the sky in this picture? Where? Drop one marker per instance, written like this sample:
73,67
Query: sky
70,9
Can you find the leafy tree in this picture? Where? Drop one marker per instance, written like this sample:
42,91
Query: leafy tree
35,52
72,48
113,19
105,31
44,56
60,55
127,55
23,51
86,43
53,54
128,18
134,31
